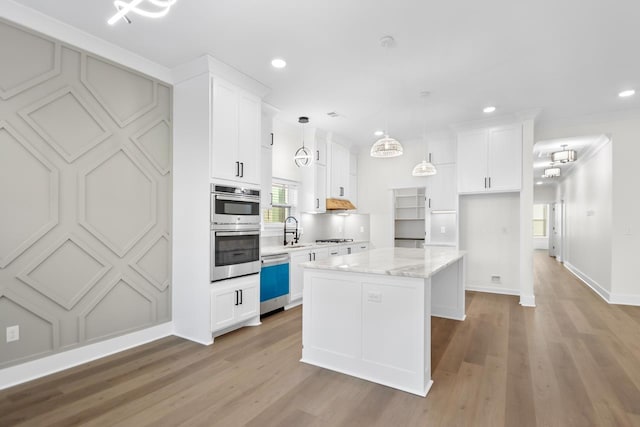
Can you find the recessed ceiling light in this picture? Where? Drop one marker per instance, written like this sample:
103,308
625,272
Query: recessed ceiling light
489,109
379,133
278,63
627,93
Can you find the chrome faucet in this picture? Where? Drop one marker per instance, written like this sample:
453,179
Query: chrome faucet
294,232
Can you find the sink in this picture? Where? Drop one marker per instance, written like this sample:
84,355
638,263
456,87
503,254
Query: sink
299,245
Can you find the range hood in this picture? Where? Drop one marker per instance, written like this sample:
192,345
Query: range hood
339,205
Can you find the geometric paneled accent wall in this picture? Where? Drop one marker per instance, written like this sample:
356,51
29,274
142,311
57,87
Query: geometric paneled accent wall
85,197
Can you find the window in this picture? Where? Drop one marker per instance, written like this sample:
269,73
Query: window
539,220
283,202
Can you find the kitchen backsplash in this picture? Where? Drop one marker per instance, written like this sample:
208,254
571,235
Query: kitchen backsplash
326,226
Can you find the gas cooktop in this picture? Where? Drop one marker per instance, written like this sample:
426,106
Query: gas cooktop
334,240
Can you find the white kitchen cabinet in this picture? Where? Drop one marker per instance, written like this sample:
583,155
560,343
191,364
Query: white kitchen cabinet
320,147
490,160
235,134
266,180
353,179
313,197
441,151
234,301
266,155
362,247
296,272
338,172
441,188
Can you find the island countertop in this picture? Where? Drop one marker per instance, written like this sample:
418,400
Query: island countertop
406,262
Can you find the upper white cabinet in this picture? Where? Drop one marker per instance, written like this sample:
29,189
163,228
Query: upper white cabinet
490,160
266,150
235,133
441,151
353,179
441,189
320,147
338,171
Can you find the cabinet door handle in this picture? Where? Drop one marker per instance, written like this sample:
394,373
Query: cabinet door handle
349,251
485,182
240,296
241,169
271,138
430,158
314,256
341,191
489,182
429,202
317,203
317,155
237,299
237,168
309,256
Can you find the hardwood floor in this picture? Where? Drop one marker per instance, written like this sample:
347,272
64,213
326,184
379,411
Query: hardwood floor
572,361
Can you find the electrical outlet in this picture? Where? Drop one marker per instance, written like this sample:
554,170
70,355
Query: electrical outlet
374,296
13,333
443,229
495,278
361,229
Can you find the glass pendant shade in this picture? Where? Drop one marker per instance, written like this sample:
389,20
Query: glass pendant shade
424,168
386,147
564,156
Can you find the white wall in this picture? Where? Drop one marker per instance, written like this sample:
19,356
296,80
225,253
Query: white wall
624,130
490,233
587,240
378,177
544,194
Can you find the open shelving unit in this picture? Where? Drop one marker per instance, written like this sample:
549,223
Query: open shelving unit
409,217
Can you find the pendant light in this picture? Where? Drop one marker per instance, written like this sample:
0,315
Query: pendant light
424,168
564,156
159,9
551,172
303,155
386,146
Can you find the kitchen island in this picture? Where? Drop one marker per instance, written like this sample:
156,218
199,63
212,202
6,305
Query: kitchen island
369,314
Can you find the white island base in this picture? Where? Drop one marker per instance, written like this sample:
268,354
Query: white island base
377,325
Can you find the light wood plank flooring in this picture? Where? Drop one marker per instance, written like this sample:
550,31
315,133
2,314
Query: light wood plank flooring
572,361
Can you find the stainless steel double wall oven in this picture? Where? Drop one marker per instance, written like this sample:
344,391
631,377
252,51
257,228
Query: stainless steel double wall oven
235,232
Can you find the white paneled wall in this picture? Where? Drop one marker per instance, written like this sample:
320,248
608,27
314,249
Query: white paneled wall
85,184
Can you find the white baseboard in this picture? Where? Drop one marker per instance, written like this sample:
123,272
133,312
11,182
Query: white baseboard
595,286
490,290
624,299
528,300
28,371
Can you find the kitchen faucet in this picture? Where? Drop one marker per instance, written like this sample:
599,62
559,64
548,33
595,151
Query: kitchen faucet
294,232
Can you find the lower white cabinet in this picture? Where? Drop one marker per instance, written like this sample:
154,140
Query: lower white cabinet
234,301
296,273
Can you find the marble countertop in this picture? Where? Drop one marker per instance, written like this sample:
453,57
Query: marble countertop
275,250
406,262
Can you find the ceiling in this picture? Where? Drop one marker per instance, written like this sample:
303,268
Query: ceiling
568,58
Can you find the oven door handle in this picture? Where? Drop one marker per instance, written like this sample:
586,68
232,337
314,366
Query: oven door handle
237,233
248,199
